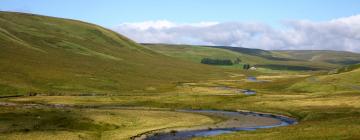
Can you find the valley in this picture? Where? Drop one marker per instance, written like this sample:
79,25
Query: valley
67,79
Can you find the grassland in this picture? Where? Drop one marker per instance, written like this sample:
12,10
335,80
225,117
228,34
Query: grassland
71,123
62,59
323,114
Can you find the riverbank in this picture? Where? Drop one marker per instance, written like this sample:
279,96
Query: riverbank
223,121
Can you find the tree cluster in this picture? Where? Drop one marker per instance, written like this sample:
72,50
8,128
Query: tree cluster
210,61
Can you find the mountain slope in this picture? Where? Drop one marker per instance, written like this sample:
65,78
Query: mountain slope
60,56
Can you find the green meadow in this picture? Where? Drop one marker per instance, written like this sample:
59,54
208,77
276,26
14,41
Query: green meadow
77,80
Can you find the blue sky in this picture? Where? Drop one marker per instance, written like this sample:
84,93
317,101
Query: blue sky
263,24
113,12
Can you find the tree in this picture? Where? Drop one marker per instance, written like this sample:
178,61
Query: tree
246,66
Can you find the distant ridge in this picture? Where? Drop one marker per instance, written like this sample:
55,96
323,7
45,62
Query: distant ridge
277,60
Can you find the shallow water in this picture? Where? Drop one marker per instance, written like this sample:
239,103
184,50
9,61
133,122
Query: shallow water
252,79
235,121
249,92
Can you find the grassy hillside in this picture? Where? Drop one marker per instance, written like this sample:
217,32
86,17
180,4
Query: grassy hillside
60,56
344,81
261,58
333,57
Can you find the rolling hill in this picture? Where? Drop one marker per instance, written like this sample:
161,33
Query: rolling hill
333,57
347,68
61,56
276,60
345,81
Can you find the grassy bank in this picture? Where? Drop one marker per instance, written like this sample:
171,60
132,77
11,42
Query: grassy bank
70,123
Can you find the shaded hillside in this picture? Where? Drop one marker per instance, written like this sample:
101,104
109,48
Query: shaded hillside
255,52
55,56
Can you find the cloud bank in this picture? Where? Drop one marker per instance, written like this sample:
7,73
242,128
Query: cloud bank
338,34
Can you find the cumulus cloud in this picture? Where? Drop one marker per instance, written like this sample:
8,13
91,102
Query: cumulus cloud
338,34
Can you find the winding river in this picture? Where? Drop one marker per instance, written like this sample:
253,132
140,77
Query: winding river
232,122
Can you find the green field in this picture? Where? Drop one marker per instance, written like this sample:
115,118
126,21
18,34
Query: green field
87,82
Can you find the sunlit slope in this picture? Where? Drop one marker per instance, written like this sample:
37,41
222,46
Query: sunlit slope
60,56
260,58
347,68
342,82
333,57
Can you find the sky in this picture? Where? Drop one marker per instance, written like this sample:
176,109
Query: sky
264,24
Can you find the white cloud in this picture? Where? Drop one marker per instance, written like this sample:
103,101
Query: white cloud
158,25
338,34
